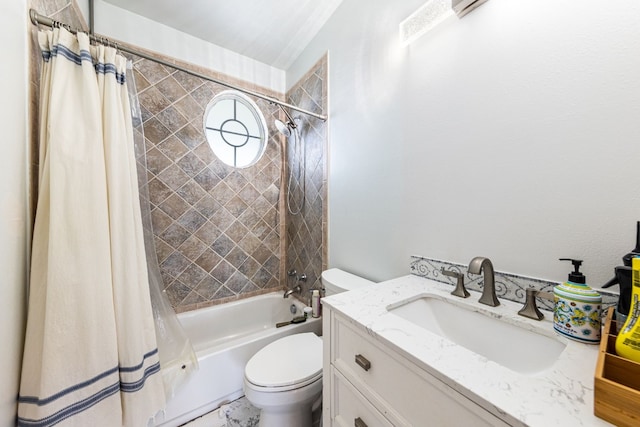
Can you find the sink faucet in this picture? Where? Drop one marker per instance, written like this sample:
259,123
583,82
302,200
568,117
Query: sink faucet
288,292
482,264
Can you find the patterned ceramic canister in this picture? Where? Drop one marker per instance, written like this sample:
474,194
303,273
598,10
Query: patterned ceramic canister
577,312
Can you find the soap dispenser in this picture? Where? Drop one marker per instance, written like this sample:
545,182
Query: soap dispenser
577,307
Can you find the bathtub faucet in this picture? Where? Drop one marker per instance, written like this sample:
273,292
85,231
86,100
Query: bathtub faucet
291,291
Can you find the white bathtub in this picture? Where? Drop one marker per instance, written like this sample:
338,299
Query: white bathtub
224,338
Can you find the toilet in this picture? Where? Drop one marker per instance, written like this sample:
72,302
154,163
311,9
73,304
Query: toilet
284,379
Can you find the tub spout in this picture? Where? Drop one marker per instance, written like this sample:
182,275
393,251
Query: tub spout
288,292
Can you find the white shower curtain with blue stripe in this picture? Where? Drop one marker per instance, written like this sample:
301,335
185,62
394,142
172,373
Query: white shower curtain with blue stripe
90,354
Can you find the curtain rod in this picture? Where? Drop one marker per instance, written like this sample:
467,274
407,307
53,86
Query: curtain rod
37,18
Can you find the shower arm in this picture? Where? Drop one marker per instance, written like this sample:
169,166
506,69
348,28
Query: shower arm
290,120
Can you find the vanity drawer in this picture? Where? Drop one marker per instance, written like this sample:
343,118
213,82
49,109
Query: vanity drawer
401,391
350,408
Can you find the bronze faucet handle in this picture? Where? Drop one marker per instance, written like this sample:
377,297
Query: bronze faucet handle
460,290
530,308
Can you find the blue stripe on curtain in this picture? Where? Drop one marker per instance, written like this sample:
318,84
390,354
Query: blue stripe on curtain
70,410
40,402
126,386
83,56
130,387
82,405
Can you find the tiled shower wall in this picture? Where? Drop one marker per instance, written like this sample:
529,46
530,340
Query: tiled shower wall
307,231
217,229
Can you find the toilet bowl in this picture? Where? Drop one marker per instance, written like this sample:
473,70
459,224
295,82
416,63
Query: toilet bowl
284,379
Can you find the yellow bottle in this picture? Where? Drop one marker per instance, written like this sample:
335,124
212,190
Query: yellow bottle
628,341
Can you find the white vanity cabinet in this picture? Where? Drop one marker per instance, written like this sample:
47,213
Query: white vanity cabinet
367,384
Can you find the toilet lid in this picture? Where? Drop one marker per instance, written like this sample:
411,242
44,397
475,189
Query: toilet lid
287,361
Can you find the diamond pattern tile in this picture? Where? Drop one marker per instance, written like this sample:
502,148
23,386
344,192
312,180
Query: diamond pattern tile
215,227
306,232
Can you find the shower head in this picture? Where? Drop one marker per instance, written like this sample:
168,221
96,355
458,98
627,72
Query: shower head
282,128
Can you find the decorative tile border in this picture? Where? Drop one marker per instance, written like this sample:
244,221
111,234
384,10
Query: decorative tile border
508,286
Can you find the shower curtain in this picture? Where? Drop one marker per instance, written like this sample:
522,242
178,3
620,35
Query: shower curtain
178,360
90,354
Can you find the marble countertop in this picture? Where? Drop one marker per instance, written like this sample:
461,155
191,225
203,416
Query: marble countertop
561,395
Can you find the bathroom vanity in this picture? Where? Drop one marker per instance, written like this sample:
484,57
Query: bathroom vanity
386,364
372,383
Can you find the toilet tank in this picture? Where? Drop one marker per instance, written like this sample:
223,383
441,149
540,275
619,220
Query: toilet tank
335,281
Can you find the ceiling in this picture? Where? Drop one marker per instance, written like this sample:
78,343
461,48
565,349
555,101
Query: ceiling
274,32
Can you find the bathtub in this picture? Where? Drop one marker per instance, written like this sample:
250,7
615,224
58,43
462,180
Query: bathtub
224,338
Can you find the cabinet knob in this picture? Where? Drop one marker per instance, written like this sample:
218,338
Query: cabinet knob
363,362
359,423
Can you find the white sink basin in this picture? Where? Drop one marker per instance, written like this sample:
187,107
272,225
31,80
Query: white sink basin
514,347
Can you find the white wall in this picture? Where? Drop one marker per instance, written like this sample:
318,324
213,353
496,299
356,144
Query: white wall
13,205
512,133
125,26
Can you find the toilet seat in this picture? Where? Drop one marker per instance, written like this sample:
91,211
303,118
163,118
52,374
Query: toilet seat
288,363
279,389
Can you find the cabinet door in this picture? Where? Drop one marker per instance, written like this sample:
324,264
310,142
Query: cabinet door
404,393
349,408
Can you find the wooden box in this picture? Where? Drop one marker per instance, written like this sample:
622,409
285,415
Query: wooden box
617,382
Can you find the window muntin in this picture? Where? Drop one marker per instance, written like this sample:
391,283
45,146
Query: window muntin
235,129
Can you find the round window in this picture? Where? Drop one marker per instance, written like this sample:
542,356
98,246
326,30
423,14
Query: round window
235,129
